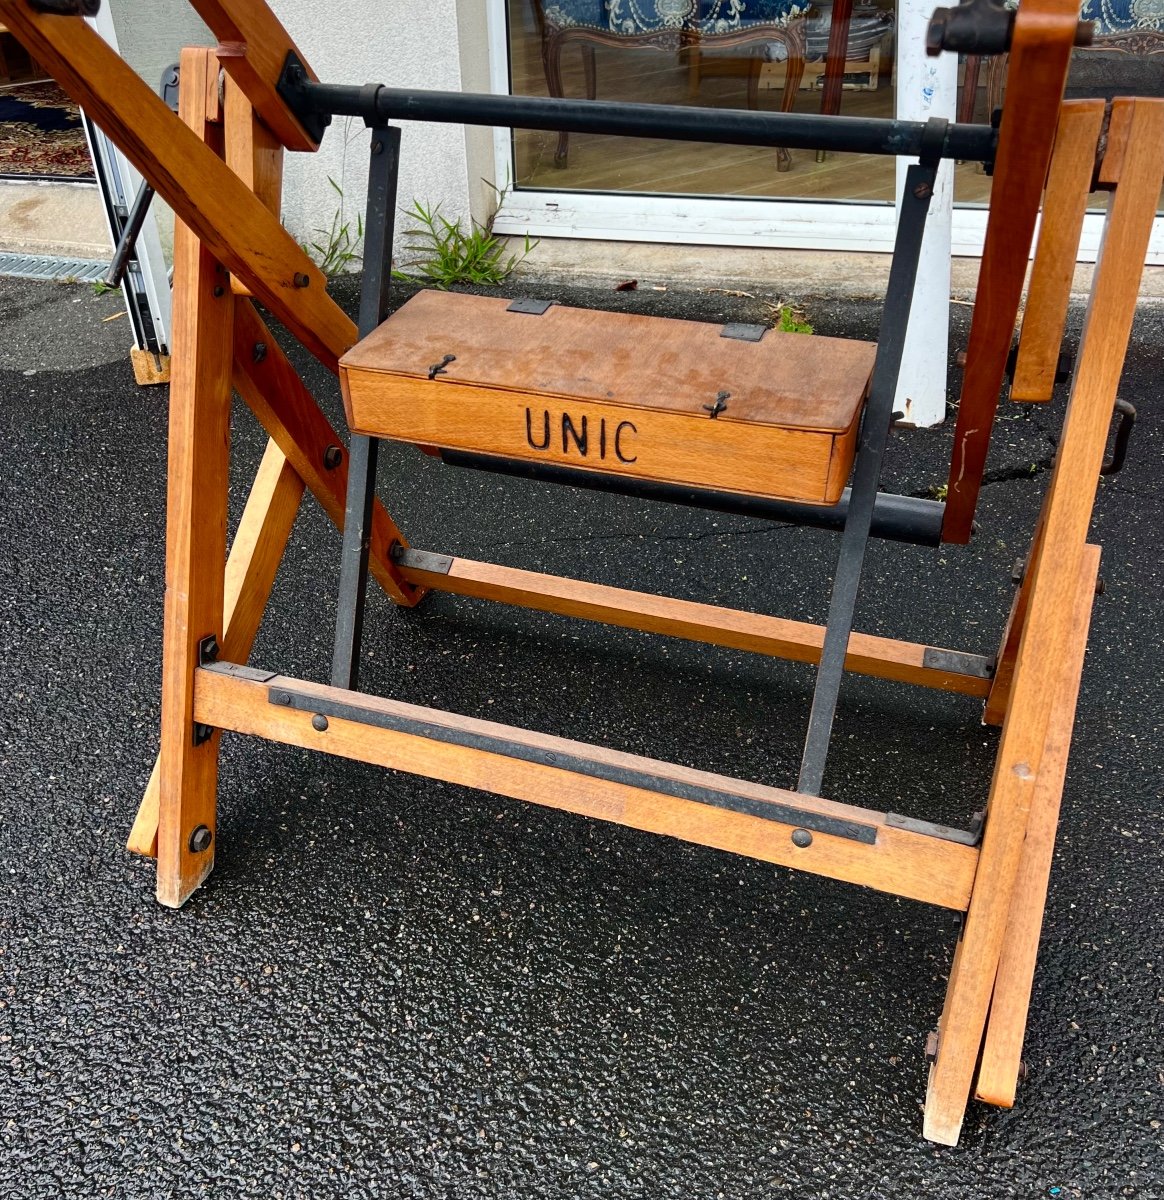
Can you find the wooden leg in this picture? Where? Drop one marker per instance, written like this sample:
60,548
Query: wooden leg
1064,205
998,1070
1026,759
199,453
250,574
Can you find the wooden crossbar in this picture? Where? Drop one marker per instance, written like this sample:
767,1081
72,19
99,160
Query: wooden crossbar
621,788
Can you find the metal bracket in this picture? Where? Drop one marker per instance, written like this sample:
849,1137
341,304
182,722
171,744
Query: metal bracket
421,560
958,662
946,833
241,671
290,87
1119,452
743,332
534,308
573,761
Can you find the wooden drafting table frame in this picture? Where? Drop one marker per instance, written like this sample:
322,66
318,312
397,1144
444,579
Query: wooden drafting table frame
219,167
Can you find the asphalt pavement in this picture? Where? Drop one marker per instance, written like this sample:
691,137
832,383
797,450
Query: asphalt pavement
391,987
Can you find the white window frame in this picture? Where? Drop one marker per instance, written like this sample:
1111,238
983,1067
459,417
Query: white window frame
719,221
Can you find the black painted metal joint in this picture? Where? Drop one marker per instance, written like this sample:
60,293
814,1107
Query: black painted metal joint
1119,452
292,89
973,27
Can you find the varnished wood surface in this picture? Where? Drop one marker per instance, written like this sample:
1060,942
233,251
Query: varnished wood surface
1044,34
255,553
1064,206
200,188
253,47
269,385
786,379
198,475
899,861
614,392
1046,637
798,641
998,1070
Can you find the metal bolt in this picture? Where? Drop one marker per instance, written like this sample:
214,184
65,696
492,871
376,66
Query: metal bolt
280,698
377,147
932,1046
1100,586
218,289
1018,570
319,722
200,839
923,191
332,457
301,280
202,733
801,838
259,352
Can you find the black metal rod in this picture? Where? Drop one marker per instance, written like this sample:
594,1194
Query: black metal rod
911,519
127,242
874,435
379,227
740,127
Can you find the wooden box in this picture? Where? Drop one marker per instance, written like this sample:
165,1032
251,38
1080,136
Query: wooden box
647,397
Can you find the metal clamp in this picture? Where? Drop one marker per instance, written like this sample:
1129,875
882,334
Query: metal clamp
1119,452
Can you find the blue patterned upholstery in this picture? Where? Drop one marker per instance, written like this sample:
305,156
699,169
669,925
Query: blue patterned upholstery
708,17
1120,16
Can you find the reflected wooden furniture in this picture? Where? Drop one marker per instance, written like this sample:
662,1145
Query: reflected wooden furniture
590,25
216,165
1125,57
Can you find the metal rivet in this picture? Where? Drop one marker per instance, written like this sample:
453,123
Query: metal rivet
1100,586
218,289
301,280
377,147
200,839
332,457
259,352
319,722
280,698
801,838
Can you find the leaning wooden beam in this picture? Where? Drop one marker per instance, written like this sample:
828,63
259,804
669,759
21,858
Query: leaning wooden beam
253,48
269,384
1023,749
1044,33
255,554
1064,206
998,1070
202,190
818,836
885,658
198,475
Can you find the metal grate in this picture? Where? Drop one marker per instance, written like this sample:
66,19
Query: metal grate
63,270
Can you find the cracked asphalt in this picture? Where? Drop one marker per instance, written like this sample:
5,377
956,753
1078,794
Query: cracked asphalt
393,987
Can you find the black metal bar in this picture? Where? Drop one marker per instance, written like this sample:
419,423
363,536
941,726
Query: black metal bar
911,519
729,126
874,435
127,242
379,226
565,760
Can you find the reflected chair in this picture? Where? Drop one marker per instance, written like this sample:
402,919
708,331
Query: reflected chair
768,29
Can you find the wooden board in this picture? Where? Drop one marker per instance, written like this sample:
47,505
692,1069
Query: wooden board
615,392
900,861
798,641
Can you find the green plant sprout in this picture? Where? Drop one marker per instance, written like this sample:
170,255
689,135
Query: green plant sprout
448,253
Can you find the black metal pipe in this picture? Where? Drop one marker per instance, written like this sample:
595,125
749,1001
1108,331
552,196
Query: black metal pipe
911,519
127,242
741,127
